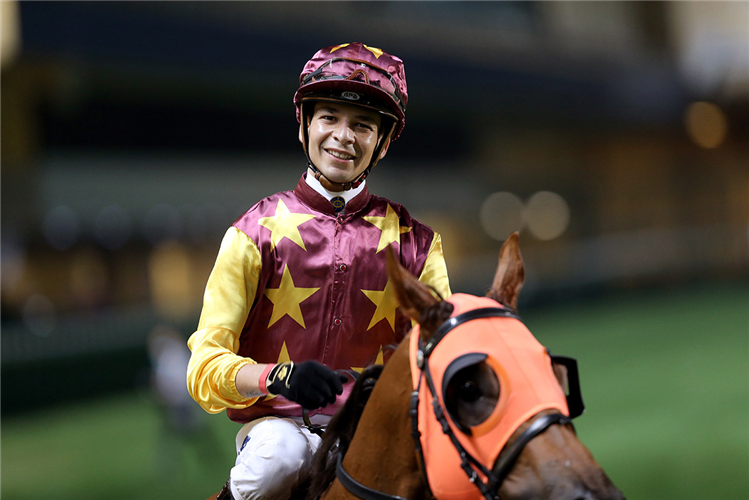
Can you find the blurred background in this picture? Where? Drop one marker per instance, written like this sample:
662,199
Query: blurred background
613,135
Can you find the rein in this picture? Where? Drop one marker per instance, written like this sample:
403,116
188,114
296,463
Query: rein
470,465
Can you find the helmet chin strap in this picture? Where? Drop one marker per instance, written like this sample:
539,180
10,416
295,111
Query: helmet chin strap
345,186
333,186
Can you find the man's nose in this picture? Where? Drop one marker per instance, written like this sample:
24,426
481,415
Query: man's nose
343,133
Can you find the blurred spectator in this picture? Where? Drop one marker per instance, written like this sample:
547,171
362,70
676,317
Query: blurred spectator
185,429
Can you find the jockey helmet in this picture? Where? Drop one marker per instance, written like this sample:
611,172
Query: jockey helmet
354,73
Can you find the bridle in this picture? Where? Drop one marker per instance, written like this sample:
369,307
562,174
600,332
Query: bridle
470,465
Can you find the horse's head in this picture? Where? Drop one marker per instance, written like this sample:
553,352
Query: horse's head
493,416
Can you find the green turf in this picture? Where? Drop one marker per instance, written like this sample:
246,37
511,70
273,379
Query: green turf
113,449
666,383
665,378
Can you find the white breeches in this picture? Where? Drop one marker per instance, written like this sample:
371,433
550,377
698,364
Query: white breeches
270,453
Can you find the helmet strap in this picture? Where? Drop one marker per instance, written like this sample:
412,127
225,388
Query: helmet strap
337,186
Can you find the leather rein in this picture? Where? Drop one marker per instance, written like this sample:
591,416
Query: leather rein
469,464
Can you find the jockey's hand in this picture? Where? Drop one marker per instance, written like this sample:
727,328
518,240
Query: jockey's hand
311,384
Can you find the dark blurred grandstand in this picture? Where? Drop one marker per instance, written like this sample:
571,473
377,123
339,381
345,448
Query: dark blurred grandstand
614,135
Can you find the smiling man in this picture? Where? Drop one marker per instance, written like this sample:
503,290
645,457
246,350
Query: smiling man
299,295
342,140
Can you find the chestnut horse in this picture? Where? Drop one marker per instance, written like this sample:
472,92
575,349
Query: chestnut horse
468,406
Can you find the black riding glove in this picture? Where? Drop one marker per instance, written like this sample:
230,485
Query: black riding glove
311,384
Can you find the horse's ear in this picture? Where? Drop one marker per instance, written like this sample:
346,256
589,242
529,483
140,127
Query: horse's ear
510,276
414,297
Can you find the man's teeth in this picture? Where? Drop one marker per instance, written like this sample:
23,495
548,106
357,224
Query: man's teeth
342,156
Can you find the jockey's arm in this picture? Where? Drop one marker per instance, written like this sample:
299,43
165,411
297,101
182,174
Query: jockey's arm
247,380
213,372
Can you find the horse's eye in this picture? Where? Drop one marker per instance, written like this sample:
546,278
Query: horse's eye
470,391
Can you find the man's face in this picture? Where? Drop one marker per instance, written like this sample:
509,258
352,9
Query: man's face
342,138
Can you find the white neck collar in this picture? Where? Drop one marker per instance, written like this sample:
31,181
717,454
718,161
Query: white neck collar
329,195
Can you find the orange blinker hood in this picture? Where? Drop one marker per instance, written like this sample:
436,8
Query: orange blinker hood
527,385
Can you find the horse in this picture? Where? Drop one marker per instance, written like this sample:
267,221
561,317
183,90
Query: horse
468,406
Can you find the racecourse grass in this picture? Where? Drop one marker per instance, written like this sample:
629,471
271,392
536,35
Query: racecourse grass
113,449
665,378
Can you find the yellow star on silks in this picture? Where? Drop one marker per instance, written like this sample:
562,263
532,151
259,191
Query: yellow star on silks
285,224
286,299
391,231
379,361
283,357
386,303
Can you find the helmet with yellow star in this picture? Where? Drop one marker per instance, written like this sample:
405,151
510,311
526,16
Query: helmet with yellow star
354,73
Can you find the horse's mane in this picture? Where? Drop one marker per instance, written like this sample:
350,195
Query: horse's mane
315,479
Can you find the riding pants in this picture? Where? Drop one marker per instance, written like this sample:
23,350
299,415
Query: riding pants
270,453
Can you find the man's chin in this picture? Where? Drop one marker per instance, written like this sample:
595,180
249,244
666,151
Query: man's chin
338,176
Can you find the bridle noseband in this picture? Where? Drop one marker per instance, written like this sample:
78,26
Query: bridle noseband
470,465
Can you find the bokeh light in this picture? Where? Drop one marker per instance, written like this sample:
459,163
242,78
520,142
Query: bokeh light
89,278
171,281
706,124
547,215
501,214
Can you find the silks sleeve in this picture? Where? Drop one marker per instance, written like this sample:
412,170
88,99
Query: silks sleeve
229,295
434,273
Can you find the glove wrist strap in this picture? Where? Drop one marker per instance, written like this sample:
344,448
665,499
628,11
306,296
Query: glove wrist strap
279,374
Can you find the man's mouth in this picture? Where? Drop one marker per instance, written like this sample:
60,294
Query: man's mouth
340,155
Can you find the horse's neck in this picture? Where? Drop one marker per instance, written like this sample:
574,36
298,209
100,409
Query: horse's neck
381,454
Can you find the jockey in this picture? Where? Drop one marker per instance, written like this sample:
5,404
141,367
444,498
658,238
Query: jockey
299,294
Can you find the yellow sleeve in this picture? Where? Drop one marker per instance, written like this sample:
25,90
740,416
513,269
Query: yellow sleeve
434,273
228,298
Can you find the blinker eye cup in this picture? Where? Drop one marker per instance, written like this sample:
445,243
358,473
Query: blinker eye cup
461,363
574,394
